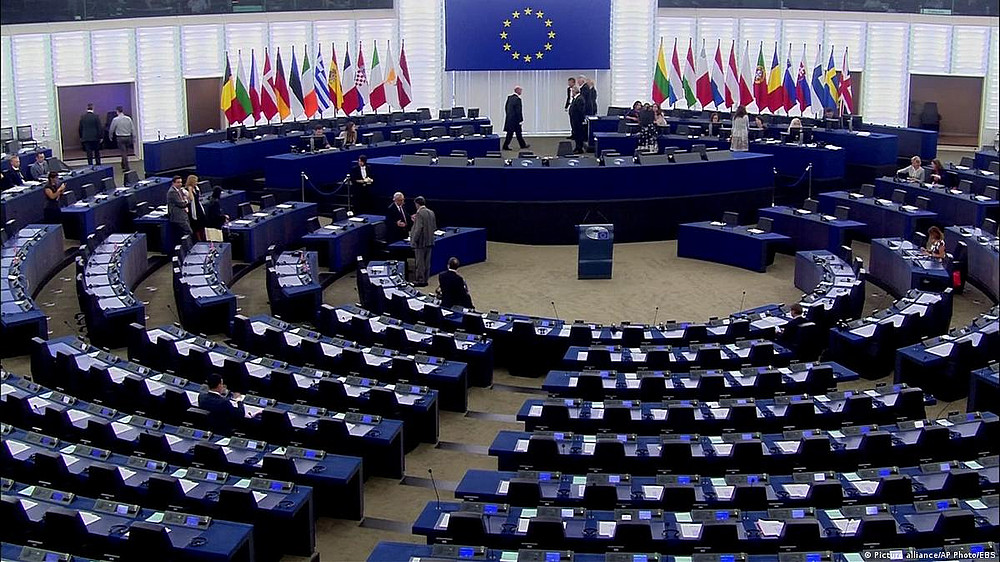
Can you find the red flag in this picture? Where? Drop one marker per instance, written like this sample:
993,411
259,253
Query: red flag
268,106
255,107
760,81
282,99
403,82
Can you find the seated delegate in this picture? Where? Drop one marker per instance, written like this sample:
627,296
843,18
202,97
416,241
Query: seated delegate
935,243
452,289
224,409
913,172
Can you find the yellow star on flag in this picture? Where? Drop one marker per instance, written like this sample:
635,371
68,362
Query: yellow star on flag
548,46
538,55
503,34
527,11
506,46
552,35
527,58
548,23
515,55
506,23
515,15
540,14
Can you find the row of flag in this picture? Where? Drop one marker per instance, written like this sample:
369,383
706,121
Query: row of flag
775,89
310,90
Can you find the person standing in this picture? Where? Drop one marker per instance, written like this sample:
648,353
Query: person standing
577,120
40,169
591,97
422,240
177,208
398,218
570,83
53,191
452,289
90,135
196,211
740,141
122,131
513,117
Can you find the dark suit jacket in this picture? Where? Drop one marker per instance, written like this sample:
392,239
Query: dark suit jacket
790,330
90,127
589,96
395,232
512,113
454,291
222,415
12,177
356,174
214,217
569,96
578,116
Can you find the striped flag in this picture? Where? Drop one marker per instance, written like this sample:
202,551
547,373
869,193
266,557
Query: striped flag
255,108
689,78
295,101
320,83
732,79
361,79
760,81
661,84
281,95
832,81
403,79
717,77
391,80
775,85
351,103
377,98
821,97
746,79
674,79
788,88
802,92
846,88
242,107
228,92
268,105
333,82
309,104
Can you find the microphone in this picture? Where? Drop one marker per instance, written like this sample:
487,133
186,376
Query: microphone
434,485
555,310
656,312
743,300
176,318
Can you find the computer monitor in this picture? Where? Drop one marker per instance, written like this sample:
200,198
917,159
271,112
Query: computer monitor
423,113
235,133
457,112
472,113
444,114
24,133
842,213
6,134
396,136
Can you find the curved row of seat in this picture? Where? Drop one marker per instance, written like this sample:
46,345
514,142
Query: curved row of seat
29,257
76,468
293,288
106,271
336,480
751,353
885,404
377,440
202,273
302,346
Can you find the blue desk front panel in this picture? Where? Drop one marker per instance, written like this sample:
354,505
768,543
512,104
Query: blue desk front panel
983,256
111,208
952,206
162,236
899,266
176,153
912,141
282,225
728,245
245,158
466,244
984,389
984,157
811,231
340,243
884,218
865,149
28,258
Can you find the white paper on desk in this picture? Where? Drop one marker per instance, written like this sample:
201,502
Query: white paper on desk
257,496
37,403
69,460
690,530
125,473
243,483
535,411
588,448
172,439
606,528
770,528
522,525
652,492
503,487
6,389
788,447
187,485
865,331
866,487
521,446
76,415
942,350
333,227
16,447
725,492
88,517
724,450
977,504
797,491
847,526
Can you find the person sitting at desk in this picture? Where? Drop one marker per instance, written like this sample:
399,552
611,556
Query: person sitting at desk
913,172
935,244
714,125
398,218
40,169
794,126
786,333
13,176
452,289
349,135
632,116
937,171
740,137
318,139
224,409
53,191
647,129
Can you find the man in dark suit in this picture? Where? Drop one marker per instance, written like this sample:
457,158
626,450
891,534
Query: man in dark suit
362,180
569,91
91,132
591,97
586,88
397,217
577,120
14,175
452,288
787,333
224,409
40,169
513,116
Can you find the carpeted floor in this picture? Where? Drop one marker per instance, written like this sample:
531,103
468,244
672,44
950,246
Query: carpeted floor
649,283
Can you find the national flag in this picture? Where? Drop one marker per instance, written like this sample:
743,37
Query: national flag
347,78
320,83
788,88
391,80
846,88
674,78
268,105
242,107
403,79
281,96
746,73
228,92
703,84
802,93
309,103
821,97
760,81
333,82
832,81
661,84
255,108
732,79
718,77
296,103
774,84
377,98
689,77
361,79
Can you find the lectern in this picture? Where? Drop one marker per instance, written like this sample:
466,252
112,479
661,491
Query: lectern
597,244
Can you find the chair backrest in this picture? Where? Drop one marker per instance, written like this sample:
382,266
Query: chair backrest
898,196
244,209
765,224
312,224
922,202
842,213
67,198
868,190
6,134
267,201
731,218
994,167
108,184
967,161
88,190
990,225
965,186
992,191
811,205
699,148
565,148
131,177
459,152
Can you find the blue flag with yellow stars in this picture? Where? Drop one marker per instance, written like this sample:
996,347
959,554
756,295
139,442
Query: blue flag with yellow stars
527,35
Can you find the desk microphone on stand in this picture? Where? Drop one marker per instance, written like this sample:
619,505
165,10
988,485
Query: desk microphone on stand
656,312
555,310
743,301
434,485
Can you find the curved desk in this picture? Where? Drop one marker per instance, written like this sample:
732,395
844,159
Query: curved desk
983,158
811,231
980,178
898,266
739,246
983,256
531,203
26,203
280,226
341,242
201,287
160,235
466,244
27,260
111,208
293,287
951,205
984,389
105,287
884,219
176,153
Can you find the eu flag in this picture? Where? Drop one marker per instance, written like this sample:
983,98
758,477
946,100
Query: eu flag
527,35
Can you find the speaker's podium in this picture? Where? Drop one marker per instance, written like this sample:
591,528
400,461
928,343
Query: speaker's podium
597,248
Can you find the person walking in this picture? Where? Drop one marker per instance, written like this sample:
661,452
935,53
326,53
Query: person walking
122,131
422,240
513,117
90,131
